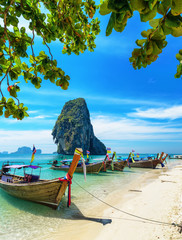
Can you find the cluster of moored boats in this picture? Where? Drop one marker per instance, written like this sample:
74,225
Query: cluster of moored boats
50,192
113,163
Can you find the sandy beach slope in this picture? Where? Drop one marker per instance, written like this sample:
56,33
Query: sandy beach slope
156,195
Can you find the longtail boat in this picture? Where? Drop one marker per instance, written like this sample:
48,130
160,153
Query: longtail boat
30,187
149,163
114,165
90,167
176,157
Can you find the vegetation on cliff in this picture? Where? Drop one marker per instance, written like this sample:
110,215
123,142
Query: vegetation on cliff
74,129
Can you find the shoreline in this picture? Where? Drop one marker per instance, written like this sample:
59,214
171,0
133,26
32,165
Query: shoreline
154,195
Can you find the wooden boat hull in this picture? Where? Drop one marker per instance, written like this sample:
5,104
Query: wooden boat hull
43,192
91,168
145,164
117,165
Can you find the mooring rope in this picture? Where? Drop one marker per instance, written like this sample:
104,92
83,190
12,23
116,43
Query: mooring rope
130,214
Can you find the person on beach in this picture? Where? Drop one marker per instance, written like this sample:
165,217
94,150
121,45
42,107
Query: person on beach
55,162
87,161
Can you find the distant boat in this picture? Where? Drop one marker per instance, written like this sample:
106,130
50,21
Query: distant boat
118,165
30,187
176,157
113,163
94,167
150,162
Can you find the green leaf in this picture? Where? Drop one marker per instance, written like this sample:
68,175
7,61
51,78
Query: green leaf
10,100
17,61
115,5
152,3
22,30
159,34
6,114
29,2
149,48
119,27
103,8
21,105
154,22
176,7
179,57
31,59
13,92
24,66
164,6
140,42
156,49
138,5
146,33
149,15
111,24
172,22
177,32
120,17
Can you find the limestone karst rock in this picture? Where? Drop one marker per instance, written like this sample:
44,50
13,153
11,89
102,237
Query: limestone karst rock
74,129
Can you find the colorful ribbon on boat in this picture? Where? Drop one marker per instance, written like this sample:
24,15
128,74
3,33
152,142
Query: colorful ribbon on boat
128,160
132,155
83,162
77,151
108,157
84,166
115,156
67,179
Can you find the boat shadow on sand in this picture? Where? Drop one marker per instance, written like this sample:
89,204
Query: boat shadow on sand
71,213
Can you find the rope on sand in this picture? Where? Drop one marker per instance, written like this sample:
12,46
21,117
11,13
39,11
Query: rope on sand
133,215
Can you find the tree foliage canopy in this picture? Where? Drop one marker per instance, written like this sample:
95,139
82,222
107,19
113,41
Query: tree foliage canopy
71,22
164,17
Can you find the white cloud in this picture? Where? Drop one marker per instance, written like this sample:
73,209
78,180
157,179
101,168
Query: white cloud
32,112
113,45
106,127
41,117
159,113
11,140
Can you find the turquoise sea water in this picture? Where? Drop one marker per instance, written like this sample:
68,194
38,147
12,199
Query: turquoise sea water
21,219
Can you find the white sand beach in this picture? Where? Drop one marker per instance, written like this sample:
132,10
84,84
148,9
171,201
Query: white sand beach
156,195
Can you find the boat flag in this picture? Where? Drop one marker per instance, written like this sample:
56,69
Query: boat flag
33,153
108,150
88,152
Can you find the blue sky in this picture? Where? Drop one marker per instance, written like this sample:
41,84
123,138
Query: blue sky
129,109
